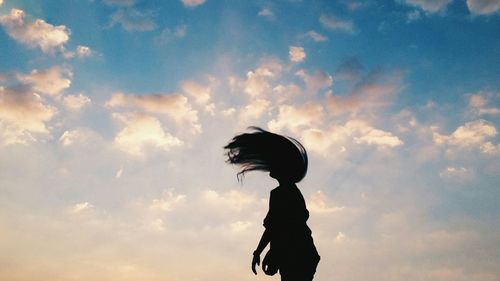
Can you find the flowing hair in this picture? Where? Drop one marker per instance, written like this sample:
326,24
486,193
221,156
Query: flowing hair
261,150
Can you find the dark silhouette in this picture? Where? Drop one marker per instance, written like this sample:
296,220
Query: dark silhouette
292,250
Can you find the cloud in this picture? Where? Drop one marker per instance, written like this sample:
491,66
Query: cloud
483,7
175,106
472,135
141,132
481,103
192,3
133,20
296,54
231,200
254,110
51,81
167,35
430,6
200,93
168,201
22,115
376,89
456,174
334,23
337,138
316,81
37,34
81,207
80,52
257,82
76,102
266,12
318,203
294,118
315,36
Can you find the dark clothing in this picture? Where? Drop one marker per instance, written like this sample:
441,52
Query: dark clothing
291,240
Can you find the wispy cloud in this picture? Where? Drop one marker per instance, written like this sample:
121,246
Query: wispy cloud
335,23
267,13
192,3
315,36
430,6
132,19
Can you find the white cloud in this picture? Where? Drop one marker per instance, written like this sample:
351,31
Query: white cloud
22,115
76,102
132,19
297,117
286,92
254,110
335,23
175,106
316,81
232,200
37,34
51,81
354,132
141,132
430,6
457,174
471,135
168,201
483,7
192,3
83,51
316,37
296,54
81,207
257,82
200,93
318,203
378,137
266,12
481,103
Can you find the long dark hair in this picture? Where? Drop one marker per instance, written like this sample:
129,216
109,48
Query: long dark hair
261,150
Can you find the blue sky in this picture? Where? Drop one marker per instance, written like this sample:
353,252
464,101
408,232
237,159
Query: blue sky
113,115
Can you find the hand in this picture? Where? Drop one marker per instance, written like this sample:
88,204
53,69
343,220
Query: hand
255,261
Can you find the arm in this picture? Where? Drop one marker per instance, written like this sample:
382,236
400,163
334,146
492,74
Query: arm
264,240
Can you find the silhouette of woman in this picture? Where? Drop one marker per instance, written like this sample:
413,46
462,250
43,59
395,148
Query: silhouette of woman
292,249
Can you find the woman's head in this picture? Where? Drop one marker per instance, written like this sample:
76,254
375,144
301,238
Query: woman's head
284,157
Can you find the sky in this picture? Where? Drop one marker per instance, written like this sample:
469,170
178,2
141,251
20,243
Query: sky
114,114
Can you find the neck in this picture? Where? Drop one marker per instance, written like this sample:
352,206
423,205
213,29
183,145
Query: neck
284,182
